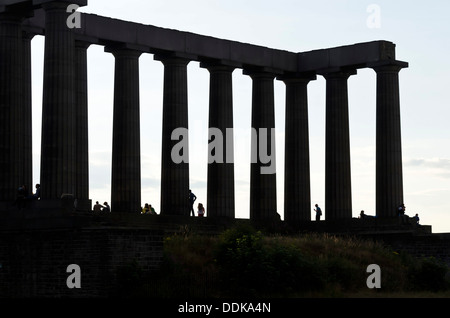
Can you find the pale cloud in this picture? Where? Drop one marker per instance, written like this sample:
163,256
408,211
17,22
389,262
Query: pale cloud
150,182
439,167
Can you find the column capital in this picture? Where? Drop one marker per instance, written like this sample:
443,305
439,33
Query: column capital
82,44
123,49
388,66
172,58
338,73
26,35
297,77
263,72
217,66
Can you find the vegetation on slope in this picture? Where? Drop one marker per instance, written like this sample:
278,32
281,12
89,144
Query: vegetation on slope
242,262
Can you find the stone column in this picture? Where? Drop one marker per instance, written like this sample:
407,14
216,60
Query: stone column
263,190
27,112
81,127
175,171
338,192
389,175
297,183
220,188
58,159
126,156
11,106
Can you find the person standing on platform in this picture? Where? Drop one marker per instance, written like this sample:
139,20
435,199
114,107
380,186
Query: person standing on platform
192,199
318,212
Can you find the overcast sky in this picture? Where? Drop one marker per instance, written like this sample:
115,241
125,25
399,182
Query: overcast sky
421,31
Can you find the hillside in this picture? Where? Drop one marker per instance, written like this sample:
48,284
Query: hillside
244,262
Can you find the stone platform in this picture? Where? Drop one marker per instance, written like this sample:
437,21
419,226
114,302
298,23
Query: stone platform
36,246
61,214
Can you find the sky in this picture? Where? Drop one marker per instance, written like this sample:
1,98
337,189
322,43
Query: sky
420,30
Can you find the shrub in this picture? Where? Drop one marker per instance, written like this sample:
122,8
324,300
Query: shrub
250,265
429,274
292,271
242,262
343,273
239,257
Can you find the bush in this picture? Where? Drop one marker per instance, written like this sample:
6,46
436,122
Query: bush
429,274
242,262
187,269
292,271
239,257
250,266
343,273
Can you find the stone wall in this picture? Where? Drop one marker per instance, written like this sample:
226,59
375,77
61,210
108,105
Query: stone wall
34,262
433,245
35,252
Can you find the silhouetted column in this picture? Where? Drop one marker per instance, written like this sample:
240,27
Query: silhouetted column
220,188
338,192
126,156
58,159
297,184
12,120
389,175
81,126
27,112
175,171
263,191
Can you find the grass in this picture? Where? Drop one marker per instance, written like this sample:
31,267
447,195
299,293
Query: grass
243,262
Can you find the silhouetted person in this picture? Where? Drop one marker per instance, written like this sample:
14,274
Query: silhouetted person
401,213
401,210
37,194
192,199
97,207
22,195
362,215
146,209
22,192
201,210
152,210
318,212
416,218
106,207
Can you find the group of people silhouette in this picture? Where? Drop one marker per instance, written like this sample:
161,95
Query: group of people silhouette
23,196
148,209
200,207
101,208
401,213
22,192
